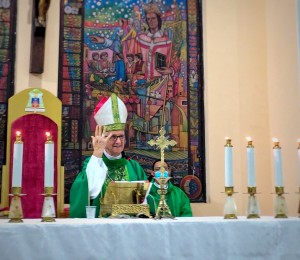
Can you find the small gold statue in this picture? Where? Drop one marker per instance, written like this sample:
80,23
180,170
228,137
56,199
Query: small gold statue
43,9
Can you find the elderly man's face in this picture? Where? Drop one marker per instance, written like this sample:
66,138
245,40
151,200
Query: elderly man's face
116,143
152,22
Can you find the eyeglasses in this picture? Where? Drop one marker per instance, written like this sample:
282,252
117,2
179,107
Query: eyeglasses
115,137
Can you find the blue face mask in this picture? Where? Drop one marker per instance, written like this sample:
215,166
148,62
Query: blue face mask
158,174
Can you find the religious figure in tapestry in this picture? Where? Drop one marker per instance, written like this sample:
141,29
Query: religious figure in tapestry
142,57
138,49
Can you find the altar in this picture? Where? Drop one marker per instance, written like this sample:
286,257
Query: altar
181,238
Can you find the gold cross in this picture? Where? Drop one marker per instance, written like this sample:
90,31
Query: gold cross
162,142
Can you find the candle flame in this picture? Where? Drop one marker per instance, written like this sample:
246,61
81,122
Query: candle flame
227,138
275,140
248,138
18,133
298,140
49,137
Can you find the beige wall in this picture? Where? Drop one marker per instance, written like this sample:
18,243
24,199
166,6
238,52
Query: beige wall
251,89
47,80
251,82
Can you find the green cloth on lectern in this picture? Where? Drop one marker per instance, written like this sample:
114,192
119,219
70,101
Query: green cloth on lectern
177,200
120,169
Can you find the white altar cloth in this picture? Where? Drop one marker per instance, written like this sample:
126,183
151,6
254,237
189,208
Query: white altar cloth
183,238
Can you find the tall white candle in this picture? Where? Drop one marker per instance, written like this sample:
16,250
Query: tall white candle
228,164
17,161
49,162
298,150
251,164
277,163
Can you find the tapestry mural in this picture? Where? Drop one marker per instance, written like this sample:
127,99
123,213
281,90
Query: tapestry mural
7,57
150,54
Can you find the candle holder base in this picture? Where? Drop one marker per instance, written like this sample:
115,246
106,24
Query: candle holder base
280,203
163,210
253,206
48,212
230,209
15,210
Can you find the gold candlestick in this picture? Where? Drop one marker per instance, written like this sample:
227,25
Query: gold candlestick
15,210
162,142
230,209
280,204
48,213
253,207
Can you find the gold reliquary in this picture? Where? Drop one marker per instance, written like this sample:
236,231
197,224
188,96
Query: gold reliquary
124,198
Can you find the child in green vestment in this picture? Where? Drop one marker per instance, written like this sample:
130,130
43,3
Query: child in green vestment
177,200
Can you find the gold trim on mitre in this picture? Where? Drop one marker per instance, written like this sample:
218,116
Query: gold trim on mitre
112,113
152,8
115,127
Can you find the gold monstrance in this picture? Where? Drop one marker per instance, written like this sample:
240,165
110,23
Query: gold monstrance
162,143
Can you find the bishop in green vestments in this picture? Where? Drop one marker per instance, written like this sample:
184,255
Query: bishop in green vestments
108,162
118,169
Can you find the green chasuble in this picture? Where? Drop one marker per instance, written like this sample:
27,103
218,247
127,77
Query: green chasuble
176,199
120,169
